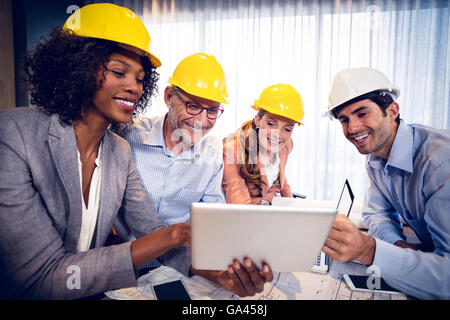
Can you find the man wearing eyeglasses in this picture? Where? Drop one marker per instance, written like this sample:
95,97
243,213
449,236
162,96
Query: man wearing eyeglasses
179,164
177,161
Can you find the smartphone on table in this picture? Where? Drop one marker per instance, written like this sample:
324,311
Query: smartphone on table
174,290
359,283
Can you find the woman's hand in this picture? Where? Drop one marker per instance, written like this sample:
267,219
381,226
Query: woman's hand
243,280
155,244
180,233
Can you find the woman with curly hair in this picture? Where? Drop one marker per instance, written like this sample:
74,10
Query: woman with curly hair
256,155
64,176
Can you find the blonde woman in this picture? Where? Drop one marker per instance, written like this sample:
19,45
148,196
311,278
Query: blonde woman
255,156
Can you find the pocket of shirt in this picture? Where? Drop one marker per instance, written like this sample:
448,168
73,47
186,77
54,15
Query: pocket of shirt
187,196
177,209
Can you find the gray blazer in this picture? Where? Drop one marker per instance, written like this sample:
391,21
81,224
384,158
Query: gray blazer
40,212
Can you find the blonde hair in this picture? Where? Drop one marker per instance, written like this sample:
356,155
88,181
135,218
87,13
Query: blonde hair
246,140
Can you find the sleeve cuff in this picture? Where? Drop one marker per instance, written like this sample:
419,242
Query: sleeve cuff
389,258
386,232
392,238
123,273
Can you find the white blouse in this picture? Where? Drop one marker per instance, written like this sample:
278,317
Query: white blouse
271,168
90,213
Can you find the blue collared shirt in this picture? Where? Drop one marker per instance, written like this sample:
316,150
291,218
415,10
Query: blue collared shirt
412,187
174,182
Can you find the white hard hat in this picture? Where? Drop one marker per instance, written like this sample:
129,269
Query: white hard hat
352,83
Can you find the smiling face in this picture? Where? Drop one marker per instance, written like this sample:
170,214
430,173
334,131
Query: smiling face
274,131
121,88
180,126
366,126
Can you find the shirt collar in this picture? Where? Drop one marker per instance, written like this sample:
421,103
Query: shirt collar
154,136
401,154
98,160
268,162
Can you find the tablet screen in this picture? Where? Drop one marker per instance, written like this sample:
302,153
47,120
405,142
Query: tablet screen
346,200
171,291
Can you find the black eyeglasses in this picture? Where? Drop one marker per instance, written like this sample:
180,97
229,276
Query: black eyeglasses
195,109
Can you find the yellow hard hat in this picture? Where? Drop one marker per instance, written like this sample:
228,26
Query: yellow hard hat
111,22
282,100
201,75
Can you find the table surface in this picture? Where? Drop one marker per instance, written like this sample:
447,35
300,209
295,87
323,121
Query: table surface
285,286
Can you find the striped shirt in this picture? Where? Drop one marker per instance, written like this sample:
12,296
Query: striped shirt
174,182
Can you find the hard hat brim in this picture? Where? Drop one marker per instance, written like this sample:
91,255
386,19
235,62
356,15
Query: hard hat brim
394,92
275,112
153,59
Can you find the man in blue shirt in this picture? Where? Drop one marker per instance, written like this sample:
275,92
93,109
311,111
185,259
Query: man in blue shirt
177,162
409,175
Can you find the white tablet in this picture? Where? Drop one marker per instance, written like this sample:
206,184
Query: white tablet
286,238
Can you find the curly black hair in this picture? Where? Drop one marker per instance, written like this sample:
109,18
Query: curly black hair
61,73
